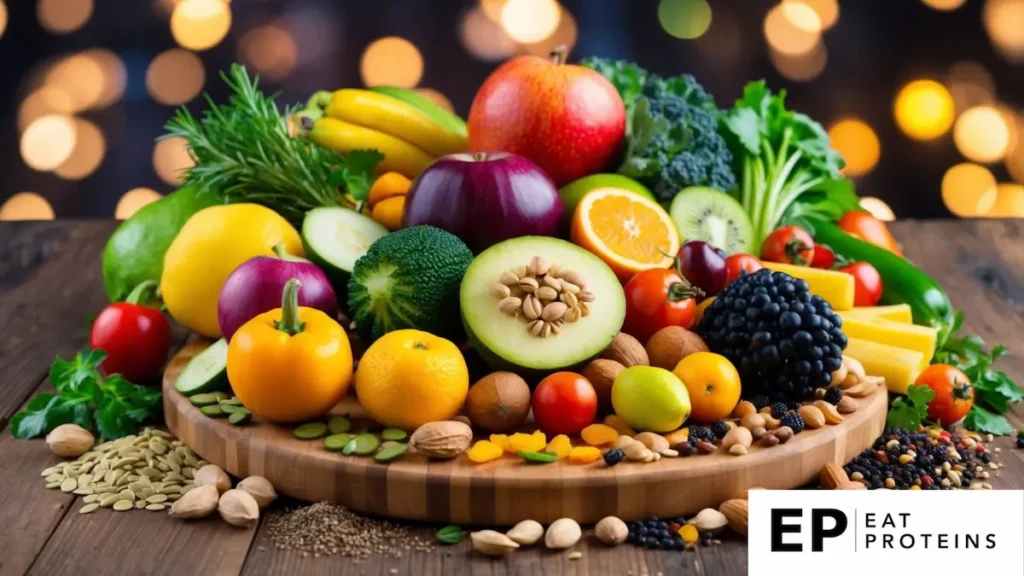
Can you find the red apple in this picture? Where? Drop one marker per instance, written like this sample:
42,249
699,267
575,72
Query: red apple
568,119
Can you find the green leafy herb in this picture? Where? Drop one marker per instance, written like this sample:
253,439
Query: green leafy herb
911,411
782,158
450,535
112,406
994,391
245,151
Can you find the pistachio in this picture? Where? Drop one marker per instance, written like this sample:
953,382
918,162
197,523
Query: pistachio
536,327
563,533
509,279
260,489
211,474
573,277
238,508
587,296
611,530
526,532
554,311
199,502
499,290
528,285
538,266
70,440
492,543
441,440
553,283
510,305
546,294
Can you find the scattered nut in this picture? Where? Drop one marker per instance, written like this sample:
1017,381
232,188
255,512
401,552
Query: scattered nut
770,422
238,508
743,408
652,441
70,440
260,489
758,432
769,440
738,450
832,415
751,421
847,405
441,440
636,451
563,533
738,436
832,476
735,512
811,416
492,543
783,433
526,532
198,502
627,351
611,530
211,474
705,447
709,520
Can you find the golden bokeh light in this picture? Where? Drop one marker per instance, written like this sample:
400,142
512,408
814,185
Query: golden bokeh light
83,78
1004,22
878,208
827,10
133,200
857,143
981,134
924,109
436,97
392,61
47,142
63,16
48,99
170,160
1009,201
26,206
269,50
492,8
565,35
484,38
86,157
175,76
3,17
970,84
115,76
1014,160
803,67
684,19
944,5
968,190
530,21
792,28
200,24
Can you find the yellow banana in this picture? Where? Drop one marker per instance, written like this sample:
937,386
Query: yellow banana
399,155
392,116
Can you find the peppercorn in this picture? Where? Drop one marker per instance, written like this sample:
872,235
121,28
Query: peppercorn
614,456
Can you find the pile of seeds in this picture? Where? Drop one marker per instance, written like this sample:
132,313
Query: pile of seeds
150,471
543,296
325,529
931,460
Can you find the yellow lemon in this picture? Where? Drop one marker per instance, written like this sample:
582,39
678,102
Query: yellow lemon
213,242
408,378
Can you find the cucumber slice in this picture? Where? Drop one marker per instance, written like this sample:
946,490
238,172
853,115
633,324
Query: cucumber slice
334,238
206,372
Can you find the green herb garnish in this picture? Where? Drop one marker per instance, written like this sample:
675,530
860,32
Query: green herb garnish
910,412
110,405
450,535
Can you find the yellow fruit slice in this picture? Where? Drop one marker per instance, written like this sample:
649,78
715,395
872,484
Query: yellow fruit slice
630,233
894,312
392,116
399,156
912,337
835,287
898,366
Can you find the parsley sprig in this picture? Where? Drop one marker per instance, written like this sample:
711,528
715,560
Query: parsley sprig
111,405
911,411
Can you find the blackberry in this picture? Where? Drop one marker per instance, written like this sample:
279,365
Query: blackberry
784,342
702,433
779,409
1020,442
833,395
794,421
760,401
614,456
719,429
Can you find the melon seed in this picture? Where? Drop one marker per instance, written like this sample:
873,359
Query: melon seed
362,445
338,425
393,452
212,411
337,442
395,434
310,431
537,457
88,508
122,505
155,507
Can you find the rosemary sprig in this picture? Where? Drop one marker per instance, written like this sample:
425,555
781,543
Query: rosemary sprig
245,151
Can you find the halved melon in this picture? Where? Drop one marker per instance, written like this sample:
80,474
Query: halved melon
505,342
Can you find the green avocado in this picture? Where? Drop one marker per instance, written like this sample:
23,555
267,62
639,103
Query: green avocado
135,251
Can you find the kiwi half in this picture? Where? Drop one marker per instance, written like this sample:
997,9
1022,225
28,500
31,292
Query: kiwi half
714,217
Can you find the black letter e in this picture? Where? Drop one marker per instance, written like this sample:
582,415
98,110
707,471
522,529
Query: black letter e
779,528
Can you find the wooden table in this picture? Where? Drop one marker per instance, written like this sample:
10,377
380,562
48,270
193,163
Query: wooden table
50,285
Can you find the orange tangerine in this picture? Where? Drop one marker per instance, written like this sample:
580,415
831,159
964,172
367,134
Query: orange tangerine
630,233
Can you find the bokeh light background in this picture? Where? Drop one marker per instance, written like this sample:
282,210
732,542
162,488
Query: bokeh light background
923,98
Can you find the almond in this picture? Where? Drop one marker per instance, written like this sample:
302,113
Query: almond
709,520
852,485
735,512
738,436
526,532
654,442
441,440
813,417
627,351
847,405
832,476
611,530
861,390
70,440
832,415
492,543
563,533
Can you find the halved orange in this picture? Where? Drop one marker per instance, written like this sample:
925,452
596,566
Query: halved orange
629,232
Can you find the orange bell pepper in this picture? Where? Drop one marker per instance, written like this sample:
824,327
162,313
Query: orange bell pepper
861,224
290,364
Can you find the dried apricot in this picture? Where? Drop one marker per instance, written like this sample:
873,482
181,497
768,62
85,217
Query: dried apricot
584,455
599,434
678,437
500,440
689,533
616,422
484,451
559,446
530,442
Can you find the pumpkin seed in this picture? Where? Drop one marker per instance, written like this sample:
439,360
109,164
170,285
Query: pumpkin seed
123,505
310,431
157,498
83,491
109,501
203,400
233,400
139,504
168,490
144,493
155,507
339,425
51,470
537,457
127,495
395,434
88,508
241,417
212,411
158,448
52,485
91,498
231,408
68,485
337,442
393,452
362,445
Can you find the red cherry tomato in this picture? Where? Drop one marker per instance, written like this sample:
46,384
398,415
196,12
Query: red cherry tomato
135,337
737,264
869,229
564,403
867,283
788,245
656,299
954,394
824,257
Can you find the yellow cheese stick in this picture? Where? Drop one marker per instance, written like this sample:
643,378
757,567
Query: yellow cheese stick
894,312
898,366
835,287
912,337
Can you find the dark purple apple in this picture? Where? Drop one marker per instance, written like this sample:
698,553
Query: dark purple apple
484,198
255,287
704,266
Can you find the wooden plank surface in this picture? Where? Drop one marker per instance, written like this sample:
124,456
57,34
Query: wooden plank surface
50,284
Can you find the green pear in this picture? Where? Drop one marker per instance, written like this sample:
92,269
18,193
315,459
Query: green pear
650,399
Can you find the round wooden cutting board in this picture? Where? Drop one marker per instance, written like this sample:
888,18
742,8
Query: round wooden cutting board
508,490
